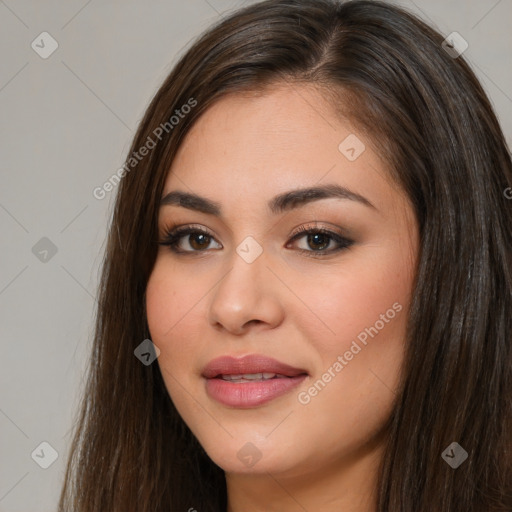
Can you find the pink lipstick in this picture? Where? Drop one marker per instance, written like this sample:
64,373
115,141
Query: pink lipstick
249,381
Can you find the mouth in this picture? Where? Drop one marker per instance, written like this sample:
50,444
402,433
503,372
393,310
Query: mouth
250,381
252,377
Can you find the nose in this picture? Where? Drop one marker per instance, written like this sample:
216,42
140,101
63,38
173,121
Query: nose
247,295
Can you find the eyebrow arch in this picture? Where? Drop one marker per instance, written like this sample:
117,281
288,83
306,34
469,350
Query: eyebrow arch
279,204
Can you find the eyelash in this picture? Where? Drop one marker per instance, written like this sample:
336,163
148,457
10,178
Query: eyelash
172,238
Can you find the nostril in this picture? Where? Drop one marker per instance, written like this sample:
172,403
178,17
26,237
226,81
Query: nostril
253,322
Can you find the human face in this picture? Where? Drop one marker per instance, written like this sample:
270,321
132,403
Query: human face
292,303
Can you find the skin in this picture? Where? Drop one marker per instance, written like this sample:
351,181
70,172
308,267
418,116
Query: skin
304,311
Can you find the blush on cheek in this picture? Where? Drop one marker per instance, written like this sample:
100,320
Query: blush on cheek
357,309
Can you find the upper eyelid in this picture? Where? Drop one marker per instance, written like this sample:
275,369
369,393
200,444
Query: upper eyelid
303,229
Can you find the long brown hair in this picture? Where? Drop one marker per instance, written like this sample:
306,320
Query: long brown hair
387,72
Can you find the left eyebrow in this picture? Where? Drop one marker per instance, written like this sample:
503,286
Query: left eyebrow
279,204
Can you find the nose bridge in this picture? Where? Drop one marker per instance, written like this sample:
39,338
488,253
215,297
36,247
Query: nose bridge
245,276
245,292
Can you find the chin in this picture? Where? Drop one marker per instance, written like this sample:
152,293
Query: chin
252,453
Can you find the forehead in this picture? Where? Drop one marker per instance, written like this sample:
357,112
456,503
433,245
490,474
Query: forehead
260,144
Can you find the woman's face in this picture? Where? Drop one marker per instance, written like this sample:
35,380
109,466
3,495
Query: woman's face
332,305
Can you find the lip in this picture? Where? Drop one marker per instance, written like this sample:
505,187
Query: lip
253,363
249,394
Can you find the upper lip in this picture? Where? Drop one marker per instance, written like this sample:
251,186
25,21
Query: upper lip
254,363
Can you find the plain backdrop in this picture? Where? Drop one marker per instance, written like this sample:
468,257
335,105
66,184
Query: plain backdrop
67,122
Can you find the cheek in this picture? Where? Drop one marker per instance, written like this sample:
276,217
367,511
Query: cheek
172,313
368,313
355,299
175,329
170,297
366,308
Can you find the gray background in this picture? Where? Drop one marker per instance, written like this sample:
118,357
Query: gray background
66,125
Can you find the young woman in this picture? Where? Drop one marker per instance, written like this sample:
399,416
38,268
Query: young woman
312,233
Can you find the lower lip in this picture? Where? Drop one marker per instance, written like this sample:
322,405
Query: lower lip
250,394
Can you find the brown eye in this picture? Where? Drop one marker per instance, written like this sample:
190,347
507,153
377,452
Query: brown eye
199,241
188,240
317,241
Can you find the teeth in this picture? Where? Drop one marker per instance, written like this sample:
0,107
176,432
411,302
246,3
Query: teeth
245,377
